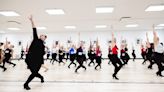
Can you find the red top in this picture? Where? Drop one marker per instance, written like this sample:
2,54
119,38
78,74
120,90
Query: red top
122,51
114,50
98,52
143,50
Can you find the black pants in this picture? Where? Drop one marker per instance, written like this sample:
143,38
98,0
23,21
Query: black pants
7,60
67,56
109,57
134,56
53,58
98,61
21,56
158,58
61,59
116,63
72,58
150,59
48,55
144,57
34,73
3,67
91,61
80,61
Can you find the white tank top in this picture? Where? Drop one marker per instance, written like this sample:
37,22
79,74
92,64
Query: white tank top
159,48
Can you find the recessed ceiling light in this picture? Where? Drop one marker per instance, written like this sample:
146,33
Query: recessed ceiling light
13,29
155,8
2,32
70,27
41,28
101,26
104,9
132,25
160,25
55,11
9,13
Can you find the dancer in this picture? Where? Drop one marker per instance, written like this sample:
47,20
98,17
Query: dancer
158,54
133,54
35,55
109,54
54,53
80,58
98,55
114,59
91,55
72,54
8,55
149,52
143,53
61,55
48,53
2,57
22,54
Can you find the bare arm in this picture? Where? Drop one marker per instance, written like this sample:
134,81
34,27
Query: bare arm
155,37
35,35
148,43
113,42
6,44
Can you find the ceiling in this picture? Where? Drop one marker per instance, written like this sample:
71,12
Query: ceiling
80,13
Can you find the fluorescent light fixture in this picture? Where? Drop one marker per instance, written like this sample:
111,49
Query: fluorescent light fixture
13,29
132,25
160,25
155,8
41,28
55,11
101,26
2,32
104,9
70,27
9,13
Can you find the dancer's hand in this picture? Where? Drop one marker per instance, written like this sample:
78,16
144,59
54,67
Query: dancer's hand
30,17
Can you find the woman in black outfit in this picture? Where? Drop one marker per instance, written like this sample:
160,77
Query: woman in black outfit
80,58
61,55
149,53
133,54
116,62
91,55
109,54
35,55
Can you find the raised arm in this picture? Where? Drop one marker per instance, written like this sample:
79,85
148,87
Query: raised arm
97,42
113,42
35,35
6,45
148,42
155,37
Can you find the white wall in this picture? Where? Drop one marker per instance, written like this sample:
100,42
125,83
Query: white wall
103,37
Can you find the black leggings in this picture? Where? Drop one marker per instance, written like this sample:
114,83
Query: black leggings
80,61
91,61
72,58
7,60
98,61
116,63
34,73
158,58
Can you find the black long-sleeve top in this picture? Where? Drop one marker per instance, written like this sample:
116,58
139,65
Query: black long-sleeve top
37,48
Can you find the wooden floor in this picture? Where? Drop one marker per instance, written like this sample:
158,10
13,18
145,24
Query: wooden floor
134,77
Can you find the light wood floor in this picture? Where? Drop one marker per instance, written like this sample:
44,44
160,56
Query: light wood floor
134,77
